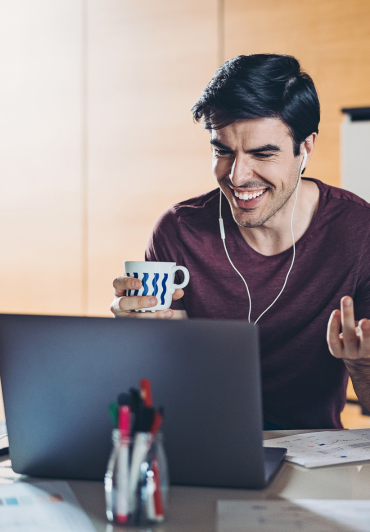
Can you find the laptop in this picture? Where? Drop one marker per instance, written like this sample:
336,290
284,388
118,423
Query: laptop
60,373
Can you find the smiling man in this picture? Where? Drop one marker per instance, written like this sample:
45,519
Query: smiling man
294,249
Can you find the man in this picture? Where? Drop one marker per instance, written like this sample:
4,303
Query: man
263,113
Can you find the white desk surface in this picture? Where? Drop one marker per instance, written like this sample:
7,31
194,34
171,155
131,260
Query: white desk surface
194,509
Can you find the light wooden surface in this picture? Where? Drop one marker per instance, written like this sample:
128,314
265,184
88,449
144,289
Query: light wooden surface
330,38
194,509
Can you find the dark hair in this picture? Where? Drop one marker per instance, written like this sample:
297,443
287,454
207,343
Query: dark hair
261,86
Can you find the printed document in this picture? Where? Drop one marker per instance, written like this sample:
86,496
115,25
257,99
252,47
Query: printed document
301,515
315,449
4,442
49,506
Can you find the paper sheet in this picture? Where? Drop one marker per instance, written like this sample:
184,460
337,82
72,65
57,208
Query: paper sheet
315,449
4,442
49,506
304,515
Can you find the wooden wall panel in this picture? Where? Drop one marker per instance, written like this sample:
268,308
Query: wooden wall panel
40,156
330,38
147,64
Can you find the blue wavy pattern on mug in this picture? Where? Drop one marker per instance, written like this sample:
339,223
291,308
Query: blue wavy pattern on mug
165,277
128,291
136,275
154,284
145,286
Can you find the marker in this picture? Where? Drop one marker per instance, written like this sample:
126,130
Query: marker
144,421
136,405
146,392
124,413
124,401
158,503
113,412
136,400
157,422
157,495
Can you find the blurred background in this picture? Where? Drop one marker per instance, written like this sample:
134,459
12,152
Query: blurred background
96,133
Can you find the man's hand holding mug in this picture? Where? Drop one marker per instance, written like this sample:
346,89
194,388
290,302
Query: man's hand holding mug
147,289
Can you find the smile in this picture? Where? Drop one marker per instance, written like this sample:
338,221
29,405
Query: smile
247,196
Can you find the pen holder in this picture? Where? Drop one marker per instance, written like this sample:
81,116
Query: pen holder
136,481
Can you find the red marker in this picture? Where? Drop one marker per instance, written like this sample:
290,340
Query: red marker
157,496
146,392
158,503
123,458
157,422
124,420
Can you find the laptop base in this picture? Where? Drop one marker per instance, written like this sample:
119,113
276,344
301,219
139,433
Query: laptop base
273,458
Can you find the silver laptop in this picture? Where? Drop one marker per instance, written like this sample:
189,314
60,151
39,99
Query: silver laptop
59,375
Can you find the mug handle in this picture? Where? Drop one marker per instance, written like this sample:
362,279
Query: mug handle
186,280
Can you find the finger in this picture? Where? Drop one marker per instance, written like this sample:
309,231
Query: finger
350,339
364,334
127,303
159,314
334,341
178,294
163,314
121,284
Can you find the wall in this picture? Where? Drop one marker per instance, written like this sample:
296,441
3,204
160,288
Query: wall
97,140
96,134
147,64
40,157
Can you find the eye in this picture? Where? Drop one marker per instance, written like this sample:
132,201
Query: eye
263,155
221,153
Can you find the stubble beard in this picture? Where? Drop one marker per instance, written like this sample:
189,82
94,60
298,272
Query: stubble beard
247,218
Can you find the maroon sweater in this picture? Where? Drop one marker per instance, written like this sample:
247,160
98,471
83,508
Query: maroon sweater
304,386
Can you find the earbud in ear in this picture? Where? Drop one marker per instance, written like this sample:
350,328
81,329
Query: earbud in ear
303,162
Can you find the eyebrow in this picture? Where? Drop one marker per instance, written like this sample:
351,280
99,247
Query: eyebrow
265,147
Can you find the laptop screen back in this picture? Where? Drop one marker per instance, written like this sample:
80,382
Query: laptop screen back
59,375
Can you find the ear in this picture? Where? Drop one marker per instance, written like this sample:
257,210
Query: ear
308,145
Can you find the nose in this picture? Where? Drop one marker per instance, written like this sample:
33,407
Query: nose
241,171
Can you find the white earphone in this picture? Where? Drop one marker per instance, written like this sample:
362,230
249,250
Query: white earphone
223,237
303,165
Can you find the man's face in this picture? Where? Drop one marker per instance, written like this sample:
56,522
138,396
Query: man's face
254,164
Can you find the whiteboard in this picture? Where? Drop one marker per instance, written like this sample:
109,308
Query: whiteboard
355,155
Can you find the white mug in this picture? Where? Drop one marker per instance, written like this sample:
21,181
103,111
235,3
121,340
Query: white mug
158,280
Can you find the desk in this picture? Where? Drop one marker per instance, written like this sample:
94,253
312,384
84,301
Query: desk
194,509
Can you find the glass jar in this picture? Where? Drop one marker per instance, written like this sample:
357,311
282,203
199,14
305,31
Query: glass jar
136,482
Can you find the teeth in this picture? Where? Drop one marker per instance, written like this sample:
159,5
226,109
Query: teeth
246,196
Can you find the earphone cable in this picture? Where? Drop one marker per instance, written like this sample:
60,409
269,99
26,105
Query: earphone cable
291,266
223,237
231,262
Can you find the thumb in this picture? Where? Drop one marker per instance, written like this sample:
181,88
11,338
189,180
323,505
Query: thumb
178,293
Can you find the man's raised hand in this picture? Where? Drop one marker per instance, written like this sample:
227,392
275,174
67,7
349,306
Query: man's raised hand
353,343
